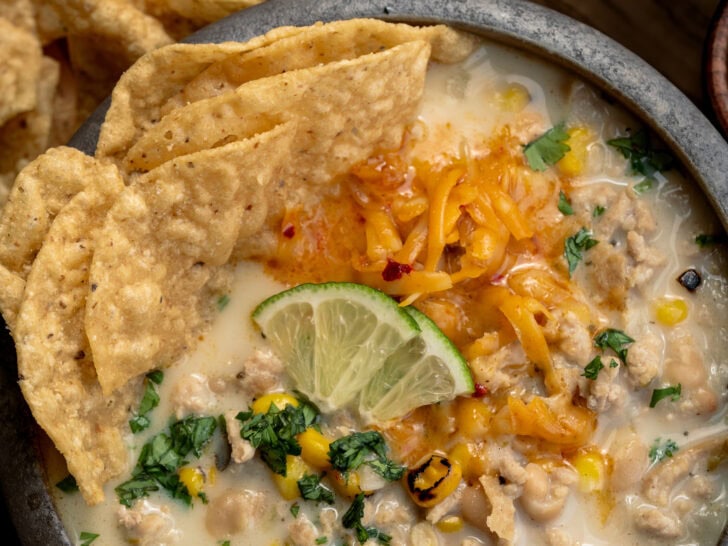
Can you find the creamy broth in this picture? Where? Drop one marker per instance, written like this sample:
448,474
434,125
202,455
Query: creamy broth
464,104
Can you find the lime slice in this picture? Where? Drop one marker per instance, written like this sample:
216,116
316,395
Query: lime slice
333,337
424,370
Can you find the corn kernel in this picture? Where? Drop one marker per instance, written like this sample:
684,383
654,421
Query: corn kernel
287,485
472,418
592,469
193,480
347,486
574,161
280,399
513,98
671,311
450,524
314,448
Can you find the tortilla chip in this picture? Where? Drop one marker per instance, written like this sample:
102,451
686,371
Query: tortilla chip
48,22
40,191
316,45
20,13
56,374
150,82
162,242
365,103
20,68
207,11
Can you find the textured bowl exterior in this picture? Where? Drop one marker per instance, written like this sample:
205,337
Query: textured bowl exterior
590,54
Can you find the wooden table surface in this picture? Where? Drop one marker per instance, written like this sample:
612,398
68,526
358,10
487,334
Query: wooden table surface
668,34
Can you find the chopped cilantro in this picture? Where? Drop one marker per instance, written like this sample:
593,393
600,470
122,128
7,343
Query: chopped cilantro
295,509
705,240
661,450
274,433
565,205
613,339
591,371
644,186
150,400
68,484
613,364
163,455
643,158
350,452
673,392
547,149
87,538
311,489
222,302
575,245
352,520
598,211
225,543
322,540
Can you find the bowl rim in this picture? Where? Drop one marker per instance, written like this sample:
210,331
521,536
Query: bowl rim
531,27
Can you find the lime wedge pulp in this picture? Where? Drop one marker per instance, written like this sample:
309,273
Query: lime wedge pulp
345,344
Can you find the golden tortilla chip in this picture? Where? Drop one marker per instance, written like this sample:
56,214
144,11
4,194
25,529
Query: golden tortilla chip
150,82
55,370
20,70
20,13
206,11
162,242
40,191
344,110
48,21
316,45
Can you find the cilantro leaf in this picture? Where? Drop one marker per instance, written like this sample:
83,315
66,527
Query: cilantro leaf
660,450
150,400
87,538
68,484
547,149
705,240
387,469
350,452
295,509
322,540
613,339
163,455
222,302
644,186
643,158
565,205
274,433
311,489
598,211
575,245
673,392
591,371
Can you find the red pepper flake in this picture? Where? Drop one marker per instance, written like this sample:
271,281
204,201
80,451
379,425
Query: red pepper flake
289,232
394,270
480,391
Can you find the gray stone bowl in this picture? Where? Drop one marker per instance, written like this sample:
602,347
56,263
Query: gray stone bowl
581,49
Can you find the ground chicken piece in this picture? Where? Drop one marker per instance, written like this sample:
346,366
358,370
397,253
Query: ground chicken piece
233,511
262,372
501,370
423,534
618,214
558,536
192,395
643,358
576,341
147,524
389,511
604,391
644,219
301,532
701,487
328,518
652,520
448,504
503,461
502,518
242,450
608,273
646,259
685,365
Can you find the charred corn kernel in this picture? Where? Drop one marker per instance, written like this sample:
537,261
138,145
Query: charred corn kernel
431,482
346,485
514,98
450,524
671,311
592,469
314,448
472,418
193,479
574,161
287,485
280,399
